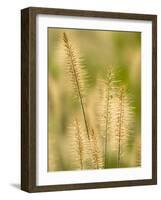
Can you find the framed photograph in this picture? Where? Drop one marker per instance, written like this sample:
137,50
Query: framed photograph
88,99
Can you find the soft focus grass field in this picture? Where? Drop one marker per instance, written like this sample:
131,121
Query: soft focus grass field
68,147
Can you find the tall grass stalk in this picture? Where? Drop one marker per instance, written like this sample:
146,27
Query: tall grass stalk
76,71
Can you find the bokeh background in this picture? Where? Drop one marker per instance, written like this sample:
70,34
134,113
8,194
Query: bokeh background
119,50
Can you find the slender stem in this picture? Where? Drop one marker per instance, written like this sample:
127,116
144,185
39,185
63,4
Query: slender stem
108,89
120,128
106,136
77,82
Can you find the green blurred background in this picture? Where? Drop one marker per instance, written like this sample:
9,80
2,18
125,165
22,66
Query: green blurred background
119,50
